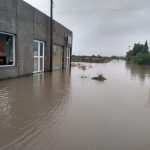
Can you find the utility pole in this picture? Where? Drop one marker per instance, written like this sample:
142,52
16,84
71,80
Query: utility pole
51,35
129,47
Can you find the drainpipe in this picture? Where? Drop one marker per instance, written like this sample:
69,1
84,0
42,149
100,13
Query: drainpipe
51,35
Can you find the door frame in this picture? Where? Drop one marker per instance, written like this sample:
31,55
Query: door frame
39,57
68,57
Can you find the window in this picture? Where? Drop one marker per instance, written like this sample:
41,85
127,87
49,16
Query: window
7,49
69,40
38,56
68,57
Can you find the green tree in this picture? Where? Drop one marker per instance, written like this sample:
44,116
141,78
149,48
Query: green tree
139,55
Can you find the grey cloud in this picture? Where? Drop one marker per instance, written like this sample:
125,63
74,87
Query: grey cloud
105,27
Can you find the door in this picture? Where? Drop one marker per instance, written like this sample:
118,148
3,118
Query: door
57,57
68,58
38,56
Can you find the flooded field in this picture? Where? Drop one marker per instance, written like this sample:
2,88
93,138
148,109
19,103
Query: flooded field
59,111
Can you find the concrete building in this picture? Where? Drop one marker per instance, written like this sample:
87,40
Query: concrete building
25,41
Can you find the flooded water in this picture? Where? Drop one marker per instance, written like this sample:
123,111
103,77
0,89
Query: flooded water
58,111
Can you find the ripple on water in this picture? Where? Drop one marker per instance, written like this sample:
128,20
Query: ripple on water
60,112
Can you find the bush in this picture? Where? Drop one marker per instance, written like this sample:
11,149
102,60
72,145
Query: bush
139,55
142,58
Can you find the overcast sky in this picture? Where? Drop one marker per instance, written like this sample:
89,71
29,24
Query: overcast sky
102,27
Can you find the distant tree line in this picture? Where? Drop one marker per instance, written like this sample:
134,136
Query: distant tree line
95,59
139,54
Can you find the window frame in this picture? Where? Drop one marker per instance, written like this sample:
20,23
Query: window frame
39,57
68,57
14,50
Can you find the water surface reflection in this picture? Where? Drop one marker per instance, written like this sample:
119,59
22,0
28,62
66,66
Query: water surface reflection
142,72
31,105
56,111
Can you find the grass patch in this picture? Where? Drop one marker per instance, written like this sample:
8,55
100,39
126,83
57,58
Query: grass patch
100,77
84,77
83,67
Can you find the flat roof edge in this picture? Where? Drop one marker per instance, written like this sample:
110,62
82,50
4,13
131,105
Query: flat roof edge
47,16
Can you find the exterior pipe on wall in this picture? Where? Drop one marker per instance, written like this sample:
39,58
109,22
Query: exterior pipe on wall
51,36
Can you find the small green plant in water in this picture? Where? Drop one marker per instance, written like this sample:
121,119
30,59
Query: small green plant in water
83,67
100,77
84,77
73,64
90,66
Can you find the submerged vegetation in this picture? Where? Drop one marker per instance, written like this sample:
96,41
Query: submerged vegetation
100,77
94,59
84,76
83,67
139,54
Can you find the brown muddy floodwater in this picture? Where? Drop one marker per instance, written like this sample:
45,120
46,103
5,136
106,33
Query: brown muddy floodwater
55,111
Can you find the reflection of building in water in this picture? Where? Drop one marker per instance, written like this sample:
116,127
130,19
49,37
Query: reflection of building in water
32,106
6,99
142,72
149,96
